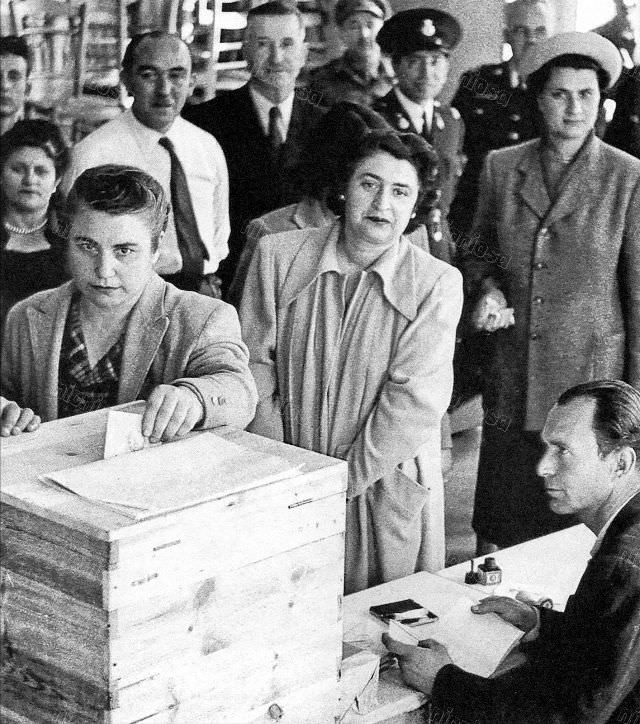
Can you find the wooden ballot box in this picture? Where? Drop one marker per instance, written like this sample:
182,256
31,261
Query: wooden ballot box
227,610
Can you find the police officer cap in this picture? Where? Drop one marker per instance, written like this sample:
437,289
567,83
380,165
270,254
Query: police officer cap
378,8
591,45
419,29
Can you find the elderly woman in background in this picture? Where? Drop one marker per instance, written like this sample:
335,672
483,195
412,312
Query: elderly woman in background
351,331
332,146
564,210
117,332
33,158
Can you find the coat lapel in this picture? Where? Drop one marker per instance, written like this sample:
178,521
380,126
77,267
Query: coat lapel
533,189
46,328
398,116
145,330
573,191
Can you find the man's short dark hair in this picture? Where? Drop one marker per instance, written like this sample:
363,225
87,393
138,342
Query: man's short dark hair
116,190
616,417
36,133
129,57
16,45
276,7
539,79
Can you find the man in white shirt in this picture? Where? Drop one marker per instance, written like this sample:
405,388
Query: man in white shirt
264,125
188,162
583,664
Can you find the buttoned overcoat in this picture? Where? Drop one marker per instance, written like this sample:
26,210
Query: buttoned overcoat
570,269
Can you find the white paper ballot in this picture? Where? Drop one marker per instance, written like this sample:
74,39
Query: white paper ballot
124,434
475,643
171,476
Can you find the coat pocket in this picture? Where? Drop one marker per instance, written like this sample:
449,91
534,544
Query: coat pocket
399,496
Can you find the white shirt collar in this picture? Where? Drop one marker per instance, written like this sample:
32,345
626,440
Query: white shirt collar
605,527
263,106
148,137
416,111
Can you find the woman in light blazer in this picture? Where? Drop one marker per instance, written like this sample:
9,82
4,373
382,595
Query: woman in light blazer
118,332
558,242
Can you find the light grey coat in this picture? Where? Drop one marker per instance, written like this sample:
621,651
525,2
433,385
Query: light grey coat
172,337
569,268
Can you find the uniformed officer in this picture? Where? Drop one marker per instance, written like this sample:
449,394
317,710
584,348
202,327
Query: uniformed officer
360,75
624,130
624,31
493,102
418,42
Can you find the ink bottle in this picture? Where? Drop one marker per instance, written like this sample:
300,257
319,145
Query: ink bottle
489,574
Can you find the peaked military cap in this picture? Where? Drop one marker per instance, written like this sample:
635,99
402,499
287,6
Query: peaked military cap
419,29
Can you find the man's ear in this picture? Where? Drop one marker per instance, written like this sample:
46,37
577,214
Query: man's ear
624,460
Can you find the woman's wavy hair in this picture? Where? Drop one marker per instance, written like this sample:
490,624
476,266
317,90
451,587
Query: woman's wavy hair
405,147
117,190
36,134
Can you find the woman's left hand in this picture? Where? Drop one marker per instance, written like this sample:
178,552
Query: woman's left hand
171,412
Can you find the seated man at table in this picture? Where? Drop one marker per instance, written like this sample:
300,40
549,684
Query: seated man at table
584,664
117,332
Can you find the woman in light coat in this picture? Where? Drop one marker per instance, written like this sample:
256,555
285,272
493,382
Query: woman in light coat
117,332
562,216
351,331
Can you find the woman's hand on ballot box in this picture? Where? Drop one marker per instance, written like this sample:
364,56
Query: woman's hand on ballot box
15,419
419,664
171,411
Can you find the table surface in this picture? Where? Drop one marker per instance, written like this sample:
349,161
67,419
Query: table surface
551,565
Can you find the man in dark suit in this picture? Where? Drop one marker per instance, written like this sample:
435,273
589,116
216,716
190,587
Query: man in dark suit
624,130
263,126
582,664
624,31
494,104
419,42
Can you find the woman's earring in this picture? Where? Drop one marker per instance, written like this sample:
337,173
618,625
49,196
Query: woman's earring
413,216
341,197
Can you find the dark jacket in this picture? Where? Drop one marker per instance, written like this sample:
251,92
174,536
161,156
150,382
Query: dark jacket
339,81
258,181
584,668
495,116
624,130
447,135
23,274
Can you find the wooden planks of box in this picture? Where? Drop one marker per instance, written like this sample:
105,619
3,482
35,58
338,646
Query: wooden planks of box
226,611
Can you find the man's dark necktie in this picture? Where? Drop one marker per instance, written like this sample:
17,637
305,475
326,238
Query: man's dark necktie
426,131
275,131
192,248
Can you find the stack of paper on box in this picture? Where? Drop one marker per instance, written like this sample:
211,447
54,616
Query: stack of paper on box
144,483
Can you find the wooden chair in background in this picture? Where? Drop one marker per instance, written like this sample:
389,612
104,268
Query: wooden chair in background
77,49
56,33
